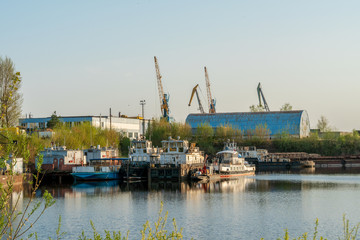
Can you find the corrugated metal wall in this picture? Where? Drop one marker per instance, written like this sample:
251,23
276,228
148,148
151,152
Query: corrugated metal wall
295,123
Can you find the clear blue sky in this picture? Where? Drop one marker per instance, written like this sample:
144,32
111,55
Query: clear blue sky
83,57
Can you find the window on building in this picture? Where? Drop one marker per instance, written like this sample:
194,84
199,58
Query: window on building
42,125
136,135
130,134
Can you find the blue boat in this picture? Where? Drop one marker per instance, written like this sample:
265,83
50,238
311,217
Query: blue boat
99,169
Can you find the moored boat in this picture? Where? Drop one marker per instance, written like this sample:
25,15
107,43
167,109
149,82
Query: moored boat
227,164
141,154
177,159
99,169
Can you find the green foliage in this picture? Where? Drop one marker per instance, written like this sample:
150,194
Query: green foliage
323,124
349,233
15,222
212,141
257,108
160,129
204,131
124,144
54,121
286,107
204,137
59,234
154,231
225,132
84,135
181,130
330,145
10,96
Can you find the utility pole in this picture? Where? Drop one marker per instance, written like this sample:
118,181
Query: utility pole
110,119
142,103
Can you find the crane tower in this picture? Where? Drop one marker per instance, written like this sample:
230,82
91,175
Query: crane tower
211,101
198,98
261,96
164,98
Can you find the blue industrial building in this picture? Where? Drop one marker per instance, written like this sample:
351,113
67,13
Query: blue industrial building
294,123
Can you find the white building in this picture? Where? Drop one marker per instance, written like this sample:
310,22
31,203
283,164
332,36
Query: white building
131,127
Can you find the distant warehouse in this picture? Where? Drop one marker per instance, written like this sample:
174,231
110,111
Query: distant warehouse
132,127
293,123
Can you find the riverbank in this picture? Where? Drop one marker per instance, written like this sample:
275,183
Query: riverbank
17,179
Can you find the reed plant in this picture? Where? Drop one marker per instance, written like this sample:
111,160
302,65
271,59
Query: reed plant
155,231
349,232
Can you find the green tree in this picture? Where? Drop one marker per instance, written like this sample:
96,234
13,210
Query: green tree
10,96
158,130
286,107
205,138
54,121
323,124
16,221
225,132
257,108
124,145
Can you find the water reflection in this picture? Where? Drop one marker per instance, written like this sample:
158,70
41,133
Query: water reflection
273,201
261,182
96,188
117,187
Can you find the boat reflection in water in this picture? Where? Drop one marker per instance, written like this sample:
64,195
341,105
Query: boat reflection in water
261,182
240,184
235,185
96,188
117,187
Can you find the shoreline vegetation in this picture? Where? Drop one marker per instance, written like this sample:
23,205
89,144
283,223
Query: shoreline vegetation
209,140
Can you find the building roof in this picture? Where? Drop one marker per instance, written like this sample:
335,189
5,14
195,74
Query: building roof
291,122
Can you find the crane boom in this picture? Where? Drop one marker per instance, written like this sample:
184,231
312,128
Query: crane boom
164,99
261,96
211,101
198,98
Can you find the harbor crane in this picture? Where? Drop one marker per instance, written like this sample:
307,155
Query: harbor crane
164,98
261,96
211,101
198,98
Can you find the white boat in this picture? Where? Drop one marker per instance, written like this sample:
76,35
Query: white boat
177,151
227,164
177,160
142,151
141,154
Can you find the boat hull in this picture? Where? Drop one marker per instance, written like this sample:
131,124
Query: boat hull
216,176
95,176
236,175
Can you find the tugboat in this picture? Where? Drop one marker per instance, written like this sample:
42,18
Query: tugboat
141,154
177,159
228,164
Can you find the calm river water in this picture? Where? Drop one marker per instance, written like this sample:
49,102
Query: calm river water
247,208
